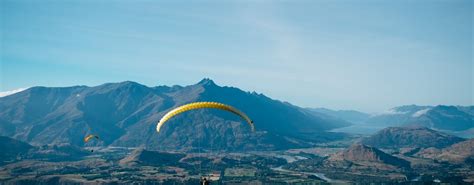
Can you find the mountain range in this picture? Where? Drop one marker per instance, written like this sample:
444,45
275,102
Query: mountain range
456,120
351,116
126,113
441,117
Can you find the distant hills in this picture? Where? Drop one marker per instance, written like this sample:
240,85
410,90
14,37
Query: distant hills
462,152
369,156
441,117
410,136
423,143
347,115
126,113
357,163
457,120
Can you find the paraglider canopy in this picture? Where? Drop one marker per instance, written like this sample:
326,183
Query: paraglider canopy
89,137
201,105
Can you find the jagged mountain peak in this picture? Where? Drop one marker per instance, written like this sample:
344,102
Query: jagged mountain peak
206,82
130,83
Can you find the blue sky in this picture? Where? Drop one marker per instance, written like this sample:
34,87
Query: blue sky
364,55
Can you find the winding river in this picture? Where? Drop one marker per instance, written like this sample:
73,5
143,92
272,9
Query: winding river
319,175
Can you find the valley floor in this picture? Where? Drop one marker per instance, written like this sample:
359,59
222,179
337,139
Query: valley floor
297,166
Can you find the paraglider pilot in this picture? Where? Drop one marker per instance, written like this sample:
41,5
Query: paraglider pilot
204,181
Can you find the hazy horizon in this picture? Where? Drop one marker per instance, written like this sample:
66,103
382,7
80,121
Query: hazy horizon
367,56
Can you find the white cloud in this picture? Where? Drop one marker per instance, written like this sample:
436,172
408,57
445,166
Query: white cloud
392,111
421,112
7,93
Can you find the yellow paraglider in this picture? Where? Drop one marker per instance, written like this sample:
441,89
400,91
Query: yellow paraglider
201,105
89,137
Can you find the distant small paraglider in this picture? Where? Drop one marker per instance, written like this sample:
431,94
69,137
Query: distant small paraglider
89,137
